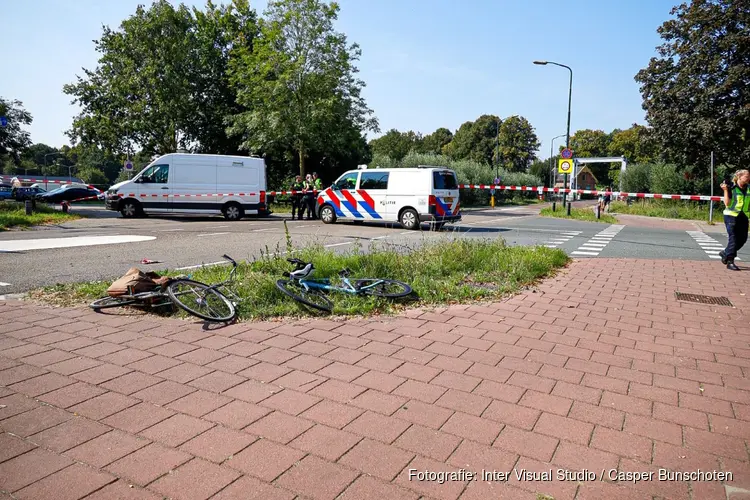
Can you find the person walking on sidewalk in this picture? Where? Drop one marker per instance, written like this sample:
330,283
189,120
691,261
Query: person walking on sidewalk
736,216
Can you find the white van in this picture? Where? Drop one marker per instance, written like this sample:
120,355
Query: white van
408,196
234,186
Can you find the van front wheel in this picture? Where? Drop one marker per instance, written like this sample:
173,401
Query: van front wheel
409,219
130,209
233,211
327,215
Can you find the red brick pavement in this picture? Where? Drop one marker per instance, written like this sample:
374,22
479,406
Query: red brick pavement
599,369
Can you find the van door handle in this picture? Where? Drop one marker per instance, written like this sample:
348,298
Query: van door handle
165,187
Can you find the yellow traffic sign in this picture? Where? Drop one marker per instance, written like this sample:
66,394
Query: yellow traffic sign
565,166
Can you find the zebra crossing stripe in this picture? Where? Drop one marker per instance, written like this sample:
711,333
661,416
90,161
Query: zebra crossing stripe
708,244
598,242
561,238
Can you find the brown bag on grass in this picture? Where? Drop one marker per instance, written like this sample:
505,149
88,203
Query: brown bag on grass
136,281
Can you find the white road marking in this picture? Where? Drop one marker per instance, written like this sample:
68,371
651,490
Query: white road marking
338,244
75,241
561,238
210,234
223,262
708,244
169,230
264,229
4,284
596,243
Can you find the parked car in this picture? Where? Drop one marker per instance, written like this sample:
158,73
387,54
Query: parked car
69,192
5,191
28,193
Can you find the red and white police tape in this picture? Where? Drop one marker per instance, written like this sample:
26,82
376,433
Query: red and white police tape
618,194
537,189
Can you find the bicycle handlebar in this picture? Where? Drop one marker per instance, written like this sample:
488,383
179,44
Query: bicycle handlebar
227,257
297,262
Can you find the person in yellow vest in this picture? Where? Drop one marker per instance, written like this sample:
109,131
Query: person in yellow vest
736,216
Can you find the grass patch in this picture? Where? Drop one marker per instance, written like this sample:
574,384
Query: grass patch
585,214
13,214
440,273
668,209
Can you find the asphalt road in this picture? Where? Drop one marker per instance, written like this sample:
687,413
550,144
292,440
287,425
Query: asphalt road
105,252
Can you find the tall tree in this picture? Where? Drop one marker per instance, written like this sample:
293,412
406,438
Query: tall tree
161,83
695,91
14,139
634,143
395,144
435,142
518,144
475,140
298,82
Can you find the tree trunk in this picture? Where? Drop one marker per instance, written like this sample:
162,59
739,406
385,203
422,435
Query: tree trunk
302,163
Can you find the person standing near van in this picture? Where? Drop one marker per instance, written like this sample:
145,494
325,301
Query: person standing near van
318,187
309,200
736,215
297,187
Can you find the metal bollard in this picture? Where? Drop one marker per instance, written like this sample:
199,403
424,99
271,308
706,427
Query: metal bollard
598,211
553,206
569,205
28,207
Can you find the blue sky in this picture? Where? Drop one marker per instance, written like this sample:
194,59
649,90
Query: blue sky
427,64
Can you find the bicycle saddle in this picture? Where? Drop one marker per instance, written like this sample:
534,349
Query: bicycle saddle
344,273
303,272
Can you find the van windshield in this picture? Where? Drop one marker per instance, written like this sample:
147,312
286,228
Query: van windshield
444,180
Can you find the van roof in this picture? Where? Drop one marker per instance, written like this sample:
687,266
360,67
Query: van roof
421,168
212,155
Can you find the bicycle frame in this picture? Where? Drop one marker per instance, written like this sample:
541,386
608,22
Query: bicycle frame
224,287
325,285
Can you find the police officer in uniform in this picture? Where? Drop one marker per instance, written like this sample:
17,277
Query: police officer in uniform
736,215
297,187
309,199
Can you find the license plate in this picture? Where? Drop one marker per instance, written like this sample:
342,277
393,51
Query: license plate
448,199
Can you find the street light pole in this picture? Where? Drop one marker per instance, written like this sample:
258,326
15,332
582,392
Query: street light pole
551,162
570,101
497,148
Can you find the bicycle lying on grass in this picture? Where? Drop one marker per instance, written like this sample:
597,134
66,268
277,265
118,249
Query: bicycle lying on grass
196,298
310,291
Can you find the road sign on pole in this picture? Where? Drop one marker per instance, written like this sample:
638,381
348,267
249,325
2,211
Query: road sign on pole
3,121
128,165
565,166
566,154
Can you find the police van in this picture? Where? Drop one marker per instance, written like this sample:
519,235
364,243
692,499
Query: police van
409,196
199,184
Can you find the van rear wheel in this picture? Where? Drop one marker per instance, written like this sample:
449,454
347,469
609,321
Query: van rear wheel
327,215
409,219
233,211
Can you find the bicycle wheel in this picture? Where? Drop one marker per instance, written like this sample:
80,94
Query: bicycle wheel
312,298
389,289
201,300
111,302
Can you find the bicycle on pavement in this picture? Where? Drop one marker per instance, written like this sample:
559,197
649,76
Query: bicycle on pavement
208,302
310,292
